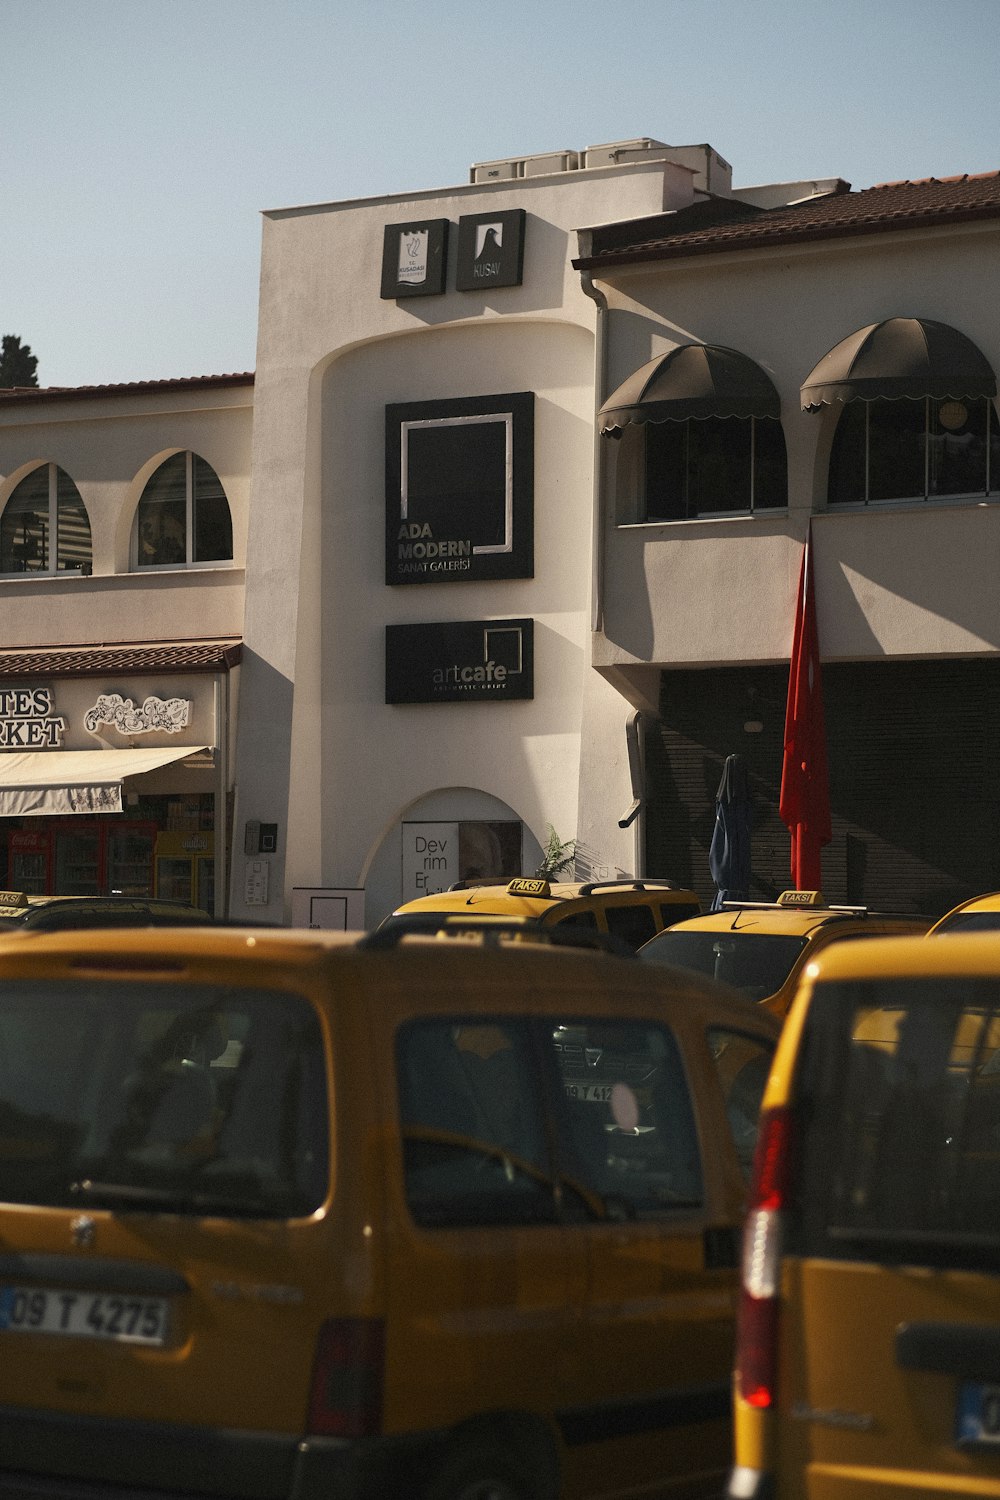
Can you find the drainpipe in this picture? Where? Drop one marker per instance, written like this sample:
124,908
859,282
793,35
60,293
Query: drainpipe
600,373
222,705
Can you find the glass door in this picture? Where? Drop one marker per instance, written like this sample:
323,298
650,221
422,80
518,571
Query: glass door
204,868
130,860
78,862
173,878
29,863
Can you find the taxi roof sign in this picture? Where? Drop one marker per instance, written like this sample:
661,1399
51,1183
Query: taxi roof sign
13,898
528,886
801,898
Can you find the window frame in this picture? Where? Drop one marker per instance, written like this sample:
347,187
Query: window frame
751,509
52,568
189,563
992,433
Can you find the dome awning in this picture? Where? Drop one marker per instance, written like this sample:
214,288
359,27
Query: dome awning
900,357
693,380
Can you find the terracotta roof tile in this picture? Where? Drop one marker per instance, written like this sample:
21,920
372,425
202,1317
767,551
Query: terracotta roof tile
121,658
24,394
900,205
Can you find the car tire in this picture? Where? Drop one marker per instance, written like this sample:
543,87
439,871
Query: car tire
481,1472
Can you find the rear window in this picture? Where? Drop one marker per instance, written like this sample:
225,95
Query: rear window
187,1098
898,1111
758,963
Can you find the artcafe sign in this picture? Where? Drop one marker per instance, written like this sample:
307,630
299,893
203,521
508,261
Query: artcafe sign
29,721
461,661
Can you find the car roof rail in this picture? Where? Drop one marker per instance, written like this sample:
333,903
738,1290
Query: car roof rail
630,884
492,928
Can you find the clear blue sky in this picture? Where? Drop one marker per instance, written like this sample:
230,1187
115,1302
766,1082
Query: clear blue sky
142,138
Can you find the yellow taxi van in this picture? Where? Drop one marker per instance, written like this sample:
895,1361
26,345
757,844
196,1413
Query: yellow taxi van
868,1352
761,947
631,911
292,1215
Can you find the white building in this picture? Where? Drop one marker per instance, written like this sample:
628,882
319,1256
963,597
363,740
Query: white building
533,460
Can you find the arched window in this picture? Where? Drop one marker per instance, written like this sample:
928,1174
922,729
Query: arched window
917,420
712,442
45,527
914,450
183,516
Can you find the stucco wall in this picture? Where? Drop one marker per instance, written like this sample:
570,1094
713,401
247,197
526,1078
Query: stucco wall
320,753
910,580
109,446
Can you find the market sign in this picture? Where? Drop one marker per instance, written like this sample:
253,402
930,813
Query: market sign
465,661
459,489
27,721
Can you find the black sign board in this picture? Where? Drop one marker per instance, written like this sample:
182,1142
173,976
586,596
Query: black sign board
490,250
414,258
464,661
459,489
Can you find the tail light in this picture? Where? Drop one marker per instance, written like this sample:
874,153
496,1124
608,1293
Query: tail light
345,1394
757,1325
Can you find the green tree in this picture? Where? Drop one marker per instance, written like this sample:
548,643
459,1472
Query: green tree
17,363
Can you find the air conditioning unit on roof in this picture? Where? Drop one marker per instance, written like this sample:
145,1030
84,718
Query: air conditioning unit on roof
644,148
494,171
524,166
551,161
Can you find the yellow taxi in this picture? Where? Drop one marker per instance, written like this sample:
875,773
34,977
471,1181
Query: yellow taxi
632,911
761,948
868,1352
23,913
293,1215
979,914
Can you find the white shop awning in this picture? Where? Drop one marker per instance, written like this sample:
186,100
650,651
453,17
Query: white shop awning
75,781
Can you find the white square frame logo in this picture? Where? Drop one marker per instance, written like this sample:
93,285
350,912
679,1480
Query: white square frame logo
507,418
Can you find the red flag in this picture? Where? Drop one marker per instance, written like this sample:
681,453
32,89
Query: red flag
805,786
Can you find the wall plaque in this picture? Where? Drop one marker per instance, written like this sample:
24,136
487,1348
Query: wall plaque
414,258
490,250
459,489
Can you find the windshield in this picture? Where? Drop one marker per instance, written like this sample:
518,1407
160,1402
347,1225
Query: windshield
190,1098
900,1109
971,921
758,963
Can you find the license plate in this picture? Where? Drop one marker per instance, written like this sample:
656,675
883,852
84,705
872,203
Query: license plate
127,1320
594,1093
978,1417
